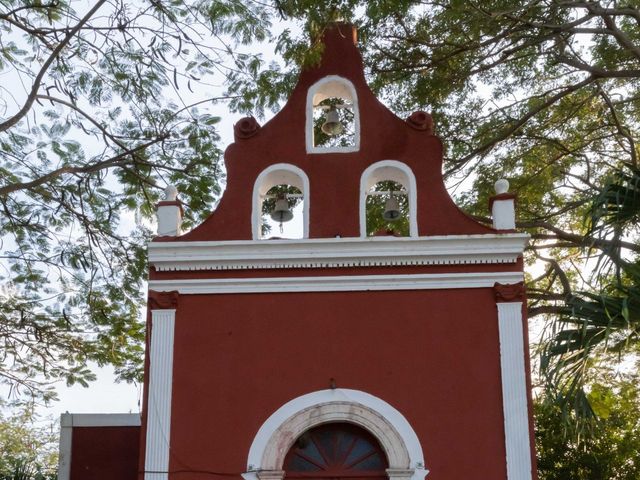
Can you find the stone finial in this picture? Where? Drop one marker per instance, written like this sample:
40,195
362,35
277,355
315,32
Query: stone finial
501,186
169,213
503,207
170,193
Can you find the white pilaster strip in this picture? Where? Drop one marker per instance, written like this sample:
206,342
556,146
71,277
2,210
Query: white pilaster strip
159,405
64,458
514,391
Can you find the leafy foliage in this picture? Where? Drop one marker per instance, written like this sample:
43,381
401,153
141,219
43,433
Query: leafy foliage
108,117
609,449
29,452
593,323
545,93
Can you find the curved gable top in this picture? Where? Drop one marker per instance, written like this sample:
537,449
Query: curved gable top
335,174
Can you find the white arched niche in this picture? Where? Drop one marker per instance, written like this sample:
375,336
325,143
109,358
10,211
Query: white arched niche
392,430
331,86
397,172
279,174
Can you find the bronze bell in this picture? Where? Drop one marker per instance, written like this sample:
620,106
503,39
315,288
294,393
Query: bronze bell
281,212
332,125
391,209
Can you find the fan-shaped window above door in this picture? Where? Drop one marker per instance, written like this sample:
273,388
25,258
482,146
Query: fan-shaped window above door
336,450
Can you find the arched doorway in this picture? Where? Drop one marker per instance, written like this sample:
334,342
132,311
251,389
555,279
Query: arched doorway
334,451
390,429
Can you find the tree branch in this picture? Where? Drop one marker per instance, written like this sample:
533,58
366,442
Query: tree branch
38,80
579,240
595,71
546,309
620,36
488,146
621,130
104,131
111,162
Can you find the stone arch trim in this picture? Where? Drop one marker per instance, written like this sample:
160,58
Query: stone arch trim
296,177
401,173
276,436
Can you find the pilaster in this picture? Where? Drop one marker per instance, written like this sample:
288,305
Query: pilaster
163,314
509,301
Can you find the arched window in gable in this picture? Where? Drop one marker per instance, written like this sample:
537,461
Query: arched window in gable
332,116
388,200
280,195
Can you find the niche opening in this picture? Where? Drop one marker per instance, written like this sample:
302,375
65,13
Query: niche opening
333,119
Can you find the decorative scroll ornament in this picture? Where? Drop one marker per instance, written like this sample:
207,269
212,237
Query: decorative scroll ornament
163,300
513,292
245,128
421,121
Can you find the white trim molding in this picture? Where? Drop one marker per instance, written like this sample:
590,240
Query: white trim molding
159,401
70,420
337,252
344,283
397,172
514,391
331,86
100,420
279,174
285,425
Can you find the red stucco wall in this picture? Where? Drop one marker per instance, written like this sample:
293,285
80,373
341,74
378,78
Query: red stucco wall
104,453
433,355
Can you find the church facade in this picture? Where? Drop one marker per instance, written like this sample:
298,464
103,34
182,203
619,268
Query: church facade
353,351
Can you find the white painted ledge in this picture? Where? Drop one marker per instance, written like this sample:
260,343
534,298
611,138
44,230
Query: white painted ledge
100,420
338,252
344,283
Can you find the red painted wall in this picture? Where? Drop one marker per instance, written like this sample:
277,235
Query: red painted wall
104,453
433,355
